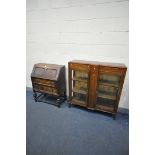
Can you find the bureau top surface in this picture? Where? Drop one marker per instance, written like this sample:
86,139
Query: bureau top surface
120,65
46,65
46,71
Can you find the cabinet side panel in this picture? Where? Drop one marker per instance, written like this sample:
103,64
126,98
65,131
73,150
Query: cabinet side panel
120,90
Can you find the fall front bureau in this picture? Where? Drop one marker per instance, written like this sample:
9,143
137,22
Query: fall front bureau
49,79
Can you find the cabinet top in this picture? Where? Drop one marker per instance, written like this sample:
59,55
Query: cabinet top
120,65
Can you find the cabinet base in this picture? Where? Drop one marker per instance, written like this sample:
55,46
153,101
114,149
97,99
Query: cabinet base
113,114
46,98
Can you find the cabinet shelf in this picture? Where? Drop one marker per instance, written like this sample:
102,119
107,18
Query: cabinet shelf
80,91
109,109
108,84
78,102
110,93
80,79
106,96
105,102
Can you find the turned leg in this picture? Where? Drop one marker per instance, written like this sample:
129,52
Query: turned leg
35,96
69,104
58,102
65,96
114,116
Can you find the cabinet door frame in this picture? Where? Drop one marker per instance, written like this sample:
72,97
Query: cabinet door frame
113,71
92,86
78,67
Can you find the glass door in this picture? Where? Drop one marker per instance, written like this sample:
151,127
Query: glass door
79,87
107,89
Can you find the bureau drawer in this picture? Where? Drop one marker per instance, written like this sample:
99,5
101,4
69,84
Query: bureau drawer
81,67
45,89
43,82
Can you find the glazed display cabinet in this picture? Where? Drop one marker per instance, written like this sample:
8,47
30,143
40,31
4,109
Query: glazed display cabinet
96,85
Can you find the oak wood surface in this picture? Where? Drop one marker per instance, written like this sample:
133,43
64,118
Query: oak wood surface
109,64
49,82
105,80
